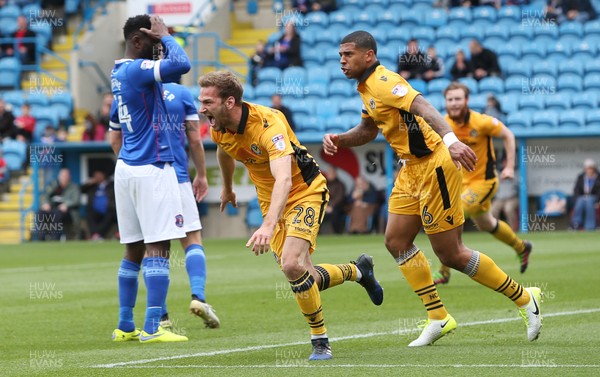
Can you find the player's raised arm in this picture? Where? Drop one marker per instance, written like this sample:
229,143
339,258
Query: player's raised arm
227,165
461,153
363,133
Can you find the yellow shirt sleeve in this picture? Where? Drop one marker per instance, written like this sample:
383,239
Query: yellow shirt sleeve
491,126
397,93
275,140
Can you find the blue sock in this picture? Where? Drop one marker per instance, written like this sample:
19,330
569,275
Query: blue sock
128,288
156,274
195,264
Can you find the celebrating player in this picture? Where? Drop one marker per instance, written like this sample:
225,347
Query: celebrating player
427,190
292,193
480,185
147,194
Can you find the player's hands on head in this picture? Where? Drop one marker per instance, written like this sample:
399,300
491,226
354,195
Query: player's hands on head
507,173
261,240
228,197
330,143
158,29
463,155
200,187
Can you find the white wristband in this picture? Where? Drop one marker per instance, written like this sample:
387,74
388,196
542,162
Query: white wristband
449,139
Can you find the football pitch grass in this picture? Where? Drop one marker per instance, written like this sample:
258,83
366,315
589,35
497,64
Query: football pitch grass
60,306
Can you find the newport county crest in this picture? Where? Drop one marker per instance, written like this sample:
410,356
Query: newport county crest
255,148
372,104
473,133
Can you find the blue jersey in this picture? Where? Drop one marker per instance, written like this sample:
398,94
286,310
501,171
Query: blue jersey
181,108
139,110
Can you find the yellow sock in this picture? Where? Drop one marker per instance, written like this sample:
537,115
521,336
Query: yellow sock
309,300
504,233
415,268
483,270
335,274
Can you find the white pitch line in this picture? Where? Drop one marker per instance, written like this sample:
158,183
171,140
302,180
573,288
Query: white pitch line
348,337
306,365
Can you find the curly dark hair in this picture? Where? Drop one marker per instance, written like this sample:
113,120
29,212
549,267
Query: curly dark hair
133,25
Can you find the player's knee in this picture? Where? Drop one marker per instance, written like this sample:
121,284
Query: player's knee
455,256
395,245
291,268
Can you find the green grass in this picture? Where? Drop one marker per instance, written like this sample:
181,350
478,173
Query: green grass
59,307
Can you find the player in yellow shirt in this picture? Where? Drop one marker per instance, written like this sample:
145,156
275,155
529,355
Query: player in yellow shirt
479,186
427,191
292,194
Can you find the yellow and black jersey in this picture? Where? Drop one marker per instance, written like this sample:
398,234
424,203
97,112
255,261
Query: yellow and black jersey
264,135
477,131
387,99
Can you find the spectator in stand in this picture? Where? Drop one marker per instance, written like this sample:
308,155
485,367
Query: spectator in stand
507,200
434,67
25,124
7,122
570,10
493,108
258,60
276,104
587,196
104,112
461,67
302,6
46,161
324,5
101,208
61,134
286,51
94,131
364,201
26,50
58,208
412,63
484,61
335,213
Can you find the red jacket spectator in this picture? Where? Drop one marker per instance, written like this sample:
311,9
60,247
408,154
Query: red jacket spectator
94,131
25,123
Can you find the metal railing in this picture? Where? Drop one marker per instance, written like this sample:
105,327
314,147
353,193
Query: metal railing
197,19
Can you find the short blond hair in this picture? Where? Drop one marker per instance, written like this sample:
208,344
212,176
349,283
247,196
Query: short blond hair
226,83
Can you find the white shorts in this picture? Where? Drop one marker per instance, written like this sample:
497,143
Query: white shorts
148,203
190,208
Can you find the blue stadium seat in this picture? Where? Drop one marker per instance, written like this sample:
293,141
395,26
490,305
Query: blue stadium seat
336,124
8,25
352,106
558,50
571,118
318,74
514,84
557,101
436,18
380,34
10,11
594,42
584,100
45,116
522,69
418,85
592,66
38,99
438,101
248,92
533,49
546,119
327,108
478,102
269,74
315,90
510,12
471,83
398,36
508,102
389,53
583,51
485,13
14,97
383,3
437,86
491,85
330,36
591,81
497,30
388,19
425,35
343,17
592,28
412,19
10,69
313,55
317,19
369,15
519,119
17,147
508,49
549,67
447,33
62,103
571,28
571,66
308,36
570,82
551,31
294,76
523,32
341,90
470,32
592,118
301,106
43,31
254,217
531,102
408,3
13,162
335,72
460,15
265,89
31,9
355,3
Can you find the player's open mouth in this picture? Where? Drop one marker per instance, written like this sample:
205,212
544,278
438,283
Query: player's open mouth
211,120
344,70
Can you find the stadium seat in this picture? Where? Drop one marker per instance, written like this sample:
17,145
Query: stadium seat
437,86
571,118
592,28
508,50
491,85
470,32
478,102
387,20
514,84
447,34
45,116
351,106
317,19
17,147
519,119
571,28
327,108
265,89
558,50
330,36
438,101
269,74
31,9
425,35
13,162
498,31
343,17
38,99
301,106
591,81
313,55
545,66
418,85
533,50
583,51
248,92
336,124
318,75
510,12
557,101
315,90
550,31
592,66
436,18
594,42
356,3
546,119
254,217
485,13
570,82
10,70
43,30
294,76
584,100
341,90
8,25
471,83
517,68
508,102
14,97
531,102
10,11
571,66
460,15
411,19
523,32
308,36
592,118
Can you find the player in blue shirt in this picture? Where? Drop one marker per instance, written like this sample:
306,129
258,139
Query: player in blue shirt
186,124
149,209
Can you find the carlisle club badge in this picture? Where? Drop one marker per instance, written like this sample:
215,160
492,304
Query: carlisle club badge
279,142
255,148
179,221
